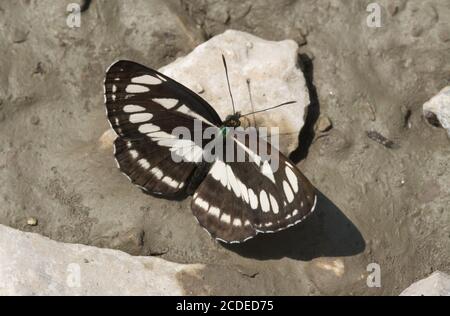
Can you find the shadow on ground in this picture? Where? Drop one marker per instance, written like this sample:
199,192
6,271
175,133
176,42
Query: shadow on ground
326,233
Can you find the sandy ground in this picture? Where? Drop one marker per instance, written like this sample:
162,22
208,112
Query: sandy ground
389,206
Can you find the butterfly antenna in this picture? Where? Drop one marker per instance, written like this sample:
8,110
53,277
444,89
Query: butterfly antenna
271,108
251,100
228,82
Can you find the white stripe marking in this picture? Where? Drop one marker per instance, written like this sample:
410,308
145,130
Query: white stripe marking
144,163
202,203
264,200
135,88
134,154
188,150
157,173
161,135
170,182
274,204
140,117
148,128
214,211
219,172
131,108
292,178
146,79
288,192
253,199
225,218
166,102
237,222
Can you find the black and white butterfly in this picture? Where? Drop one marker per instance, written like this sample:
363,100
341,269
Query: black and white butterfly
233,201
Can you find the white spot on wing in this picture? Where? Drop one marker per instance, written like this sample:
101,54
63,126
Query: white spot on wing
202,203
237,222
140,117
274,204
134,154
144,163
135,88
187,149
148,128
253,199
161,135
264,200
157,173
131,108
225,218
219,172
292,179
288,192
146,79
214,211
170,182
166,102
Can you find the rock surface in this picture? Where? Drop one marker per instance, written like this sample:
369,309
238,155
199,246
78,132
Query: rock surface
438,108
437,284
34,265
271,68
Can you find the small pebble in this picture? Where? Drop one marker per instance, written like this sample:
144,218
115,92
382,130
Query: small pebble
432,119
35,120
444,33
198,88
324,124
31,221
377,137
19,36
416,31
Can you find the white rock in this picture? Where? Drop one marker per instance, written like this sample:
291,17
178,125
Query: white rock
437,284
439,107
271,68
34,265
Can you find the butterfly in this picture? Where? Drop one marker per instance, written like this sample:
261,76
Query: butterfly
232,200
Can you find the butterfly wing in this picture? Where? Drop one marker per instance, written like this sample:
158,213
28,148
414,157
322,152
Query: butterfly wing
254,198
144,107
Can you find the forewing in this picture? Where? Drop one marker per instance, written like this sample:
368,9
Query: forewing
144,107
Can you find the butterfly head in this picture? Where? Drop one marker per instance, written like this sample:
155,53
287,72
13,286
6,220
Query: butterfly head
233,120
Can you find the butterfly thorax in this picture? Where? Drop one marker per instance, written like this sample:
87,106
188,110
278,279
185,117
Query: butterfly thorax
232,120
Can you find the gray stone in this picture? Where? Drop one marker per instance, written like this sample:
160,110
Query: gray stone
437,109
437,284
34,265
271,67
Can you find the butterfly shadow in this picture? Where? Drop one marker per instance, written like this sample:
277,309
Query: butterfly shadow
326,233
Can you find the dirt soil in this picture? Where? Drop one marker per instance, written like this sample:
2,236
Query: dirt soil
385,205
